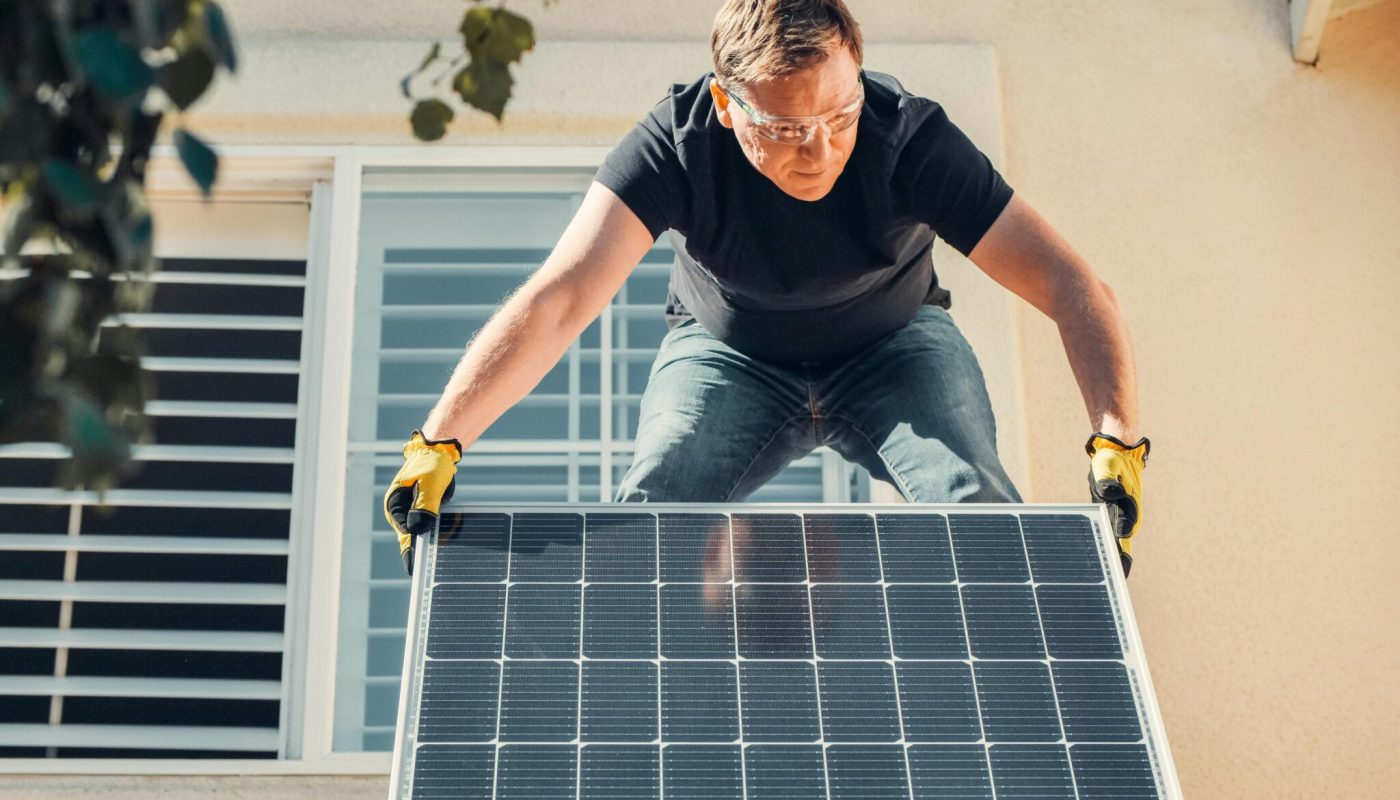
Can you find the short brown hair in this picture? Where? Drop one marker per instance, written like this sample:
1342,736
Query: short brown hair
758,40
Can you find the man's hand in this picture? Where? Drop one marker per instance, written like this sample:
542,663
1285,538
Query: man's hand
1115,478
425,481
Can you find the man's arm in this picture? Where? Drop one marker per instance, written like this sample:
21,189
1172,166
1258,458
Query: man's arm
528,335
1022,252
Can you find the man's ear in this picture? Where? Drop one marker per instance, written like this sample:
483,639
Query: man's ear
721,104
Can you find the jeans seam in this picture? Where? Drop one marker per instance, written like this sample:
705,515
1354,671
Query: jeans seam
729,496
898,479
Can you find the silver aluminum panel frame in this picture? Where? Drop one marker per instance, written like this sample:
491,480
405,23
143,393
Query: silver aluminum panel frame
1134,657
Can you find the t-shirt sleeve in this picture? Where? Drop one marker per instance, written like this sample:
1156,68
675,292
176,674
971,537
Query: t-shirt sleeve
644,171
955,189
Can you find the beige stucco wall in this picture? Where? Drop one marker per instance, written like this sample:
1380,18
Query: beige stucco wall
1246,210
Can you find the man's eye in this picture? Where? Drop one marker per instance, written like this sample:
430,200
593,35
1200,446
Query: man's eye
790,130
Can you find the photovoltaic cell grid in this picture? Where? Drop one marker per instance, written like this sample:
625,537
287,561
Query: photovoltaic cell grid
708,653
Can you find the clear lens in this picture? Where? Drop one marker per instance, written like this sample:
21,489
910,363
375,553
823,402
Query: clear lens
801,130
787,132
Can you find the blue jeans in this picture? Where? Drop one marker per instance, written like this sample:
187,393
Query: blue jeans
911,408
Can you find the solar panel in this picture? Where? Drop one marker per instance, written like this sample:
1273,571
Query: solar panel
751,651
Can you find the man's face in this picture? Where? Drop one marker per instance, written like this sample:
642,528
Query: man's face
804,171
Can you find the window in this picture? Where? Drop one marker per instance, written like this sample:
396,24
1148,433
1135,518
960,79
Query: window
435,261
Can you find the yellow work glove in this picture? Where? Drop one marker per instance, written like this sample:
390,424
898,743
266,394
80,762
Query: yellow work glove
425,481
1115,478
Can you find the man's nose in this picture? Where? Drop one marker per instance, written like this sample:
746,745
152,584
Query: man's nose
819,148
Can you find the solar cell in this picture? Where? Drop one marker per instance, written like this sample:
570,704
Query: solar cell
867,772
539,701
533,772
780,701
699,701
618,702
926,621
949,773
939,701
1029,771
858,701
467,621
459,701
613,772
849,621
702,772
697,621
543,621
594,651
619,621
784,772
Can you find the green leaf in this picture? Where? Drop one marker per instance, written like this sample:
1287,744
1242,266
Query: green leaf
485,85
99,451
79,192
495,34
430,118
186,78
475,27
199,160
140,233
218,38
113,66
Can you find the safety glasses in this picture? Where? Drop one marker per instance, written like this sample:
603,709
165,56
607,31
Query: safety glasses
800,130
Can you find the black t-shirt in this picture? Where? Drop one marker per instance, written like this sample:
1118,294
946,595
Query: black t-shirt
788,280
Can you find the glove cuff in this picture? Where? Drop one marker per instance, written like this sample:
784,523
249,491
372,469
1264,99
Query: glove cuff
1114,443
418,434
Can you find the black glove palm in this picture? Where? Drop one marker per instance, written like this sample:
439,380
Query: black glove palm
1115,479
426,480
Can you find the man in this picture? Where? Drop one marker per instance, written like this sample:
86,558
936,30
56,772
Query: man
804,195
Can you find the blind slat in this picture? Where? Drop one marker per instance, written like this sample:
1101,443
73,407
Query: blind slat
166,452
147,497
207,322
196,278
122,639
262,366
92,686
146,592
227,278
205,408
33,542
140,737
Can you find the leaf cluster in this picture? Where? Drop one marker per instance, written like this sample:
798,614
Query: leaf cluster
492,38
84,86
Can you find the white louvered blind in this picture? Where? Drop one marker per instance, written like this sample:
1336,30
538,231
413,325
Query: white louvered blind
153,627
433,266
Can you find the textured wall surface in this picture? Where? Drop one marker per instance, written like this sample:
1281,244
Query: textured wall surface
1243,207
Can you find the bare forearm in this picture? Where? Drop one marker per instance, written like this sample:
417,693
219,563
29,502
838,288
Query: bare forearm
532,329
1024,253
505,360
1096,340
